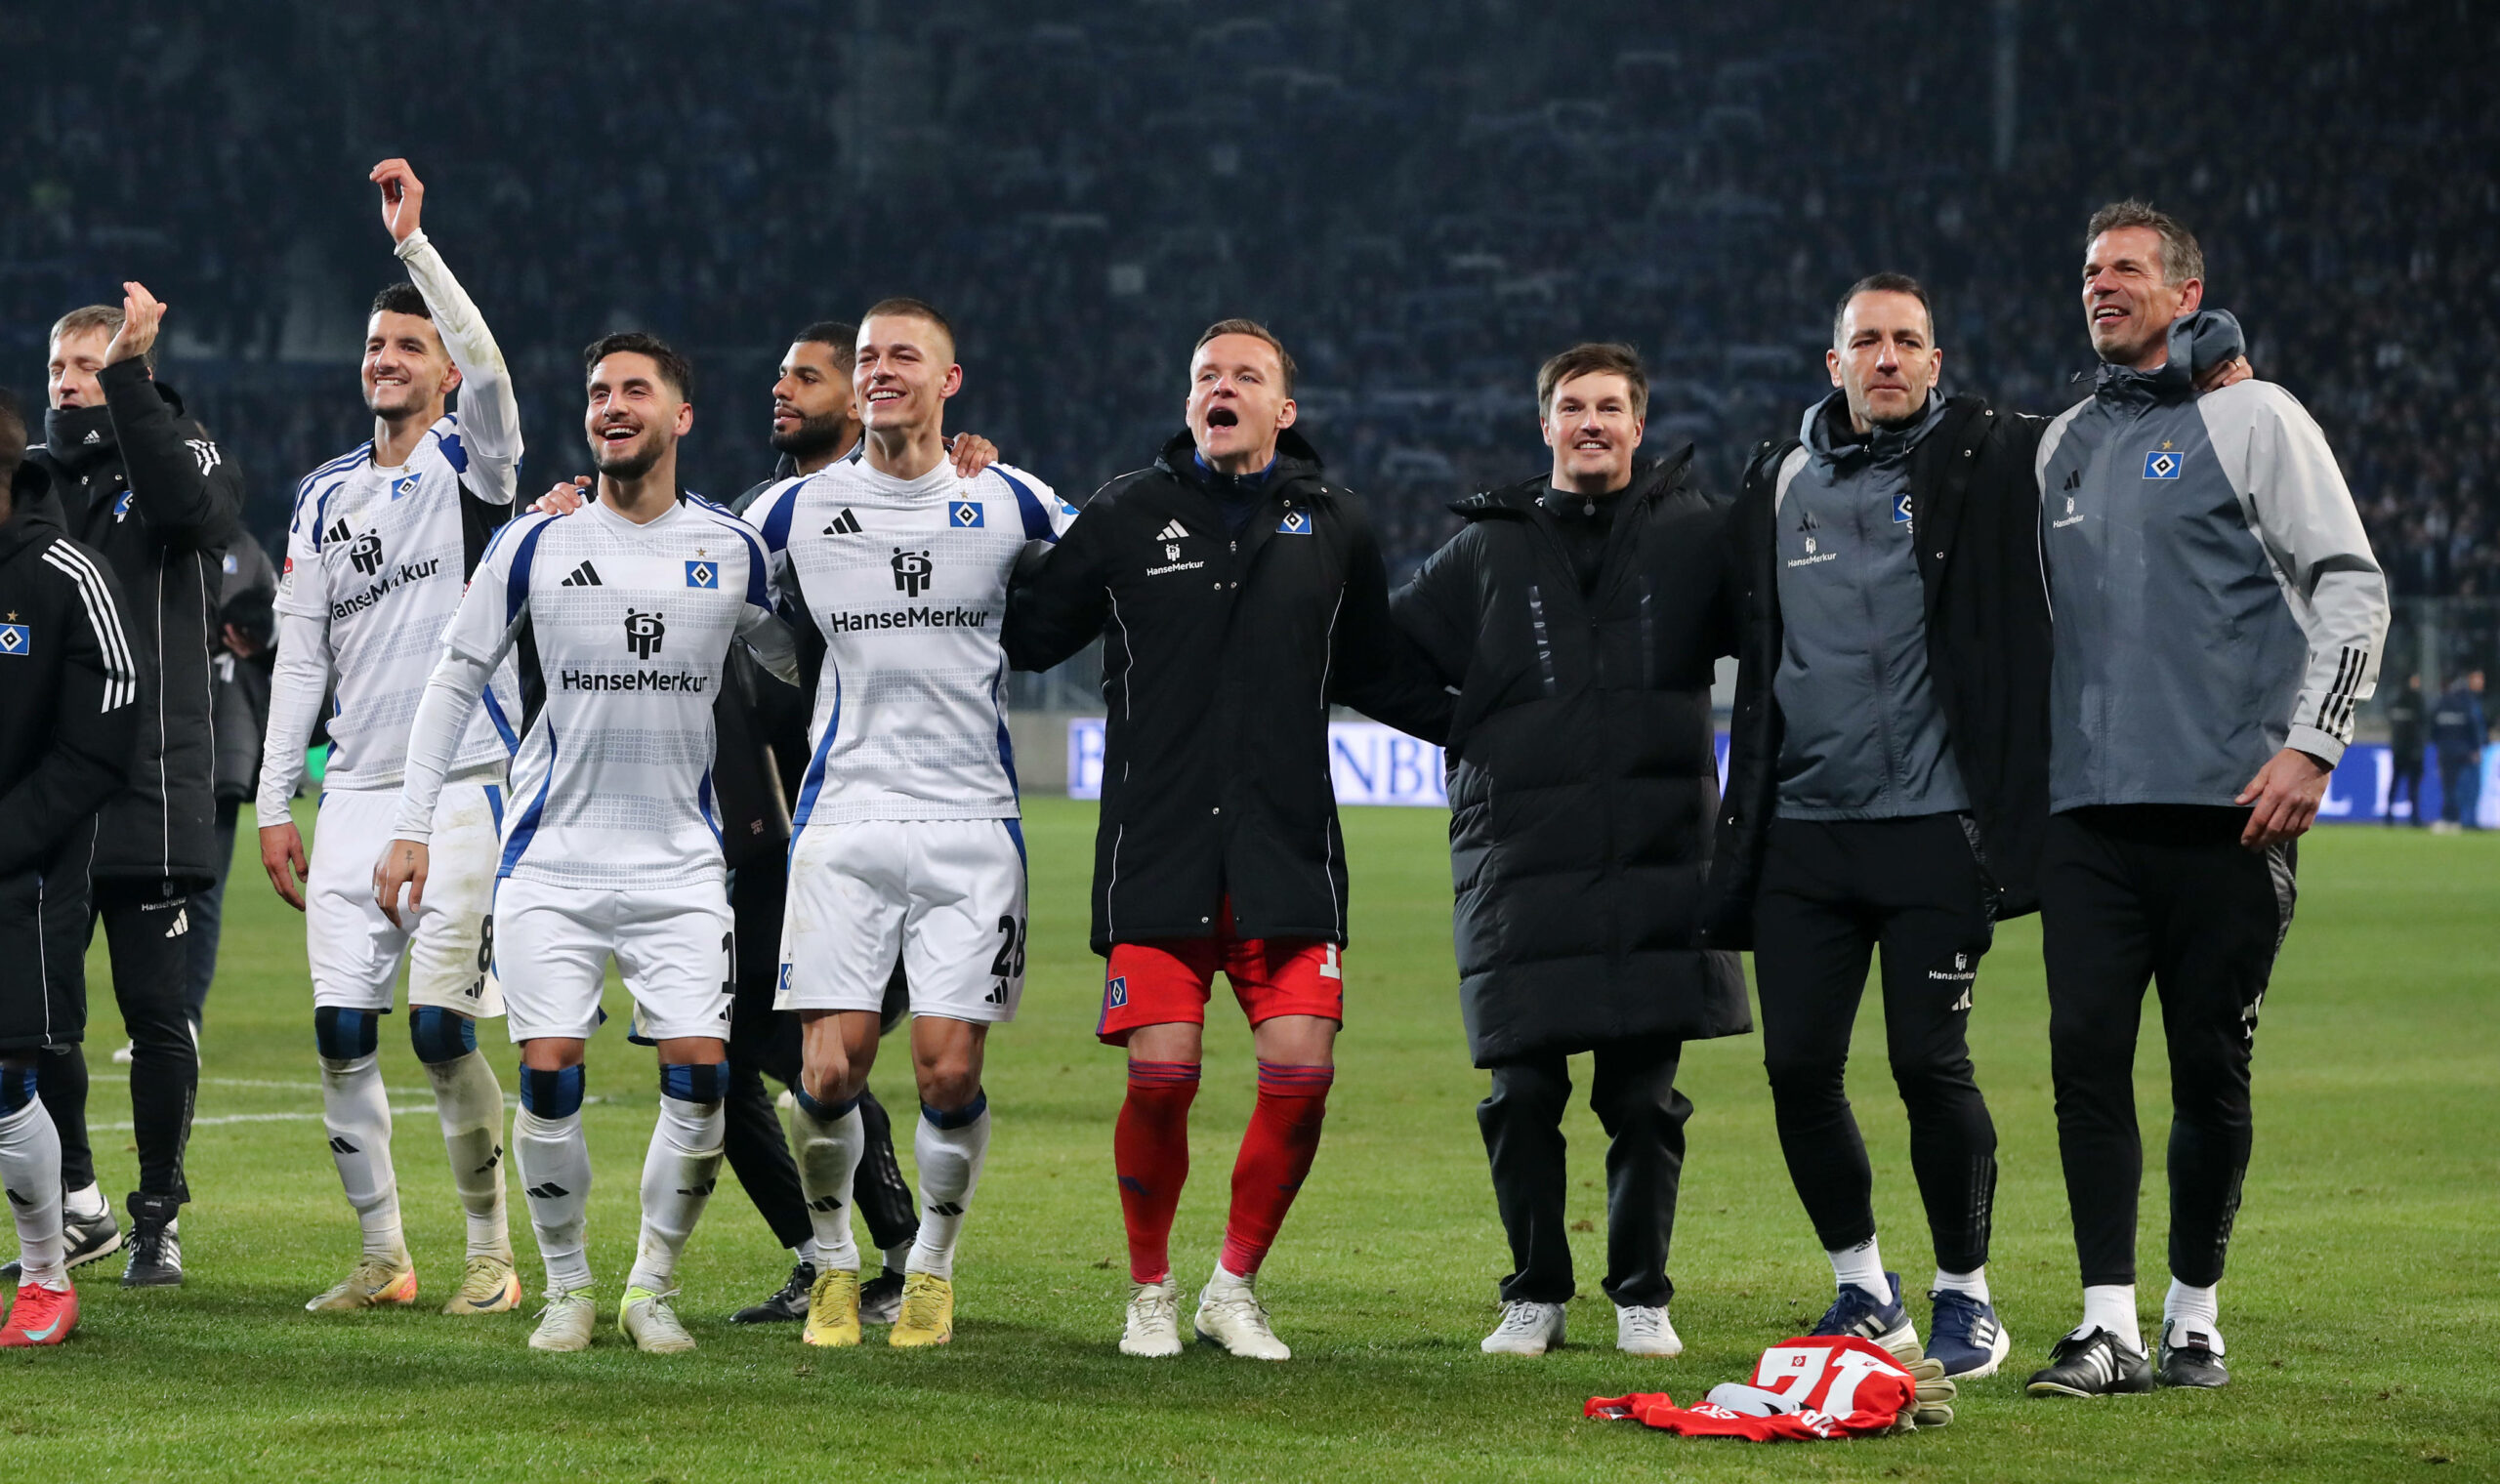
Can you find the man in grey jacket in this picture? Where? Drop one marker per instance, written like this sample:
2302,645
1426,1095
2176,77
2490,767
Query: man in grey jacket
2218,616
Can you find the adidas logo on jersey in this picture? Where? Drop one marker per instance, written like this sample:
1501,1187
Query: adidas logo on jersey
843,525
337,532
583,576
1172,530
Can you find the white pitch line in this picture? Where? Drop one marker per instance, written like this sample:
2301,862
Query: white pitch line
283,1118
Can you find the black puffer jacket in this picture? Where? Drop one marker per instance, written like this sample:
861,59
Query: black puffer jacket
141,484
1582,783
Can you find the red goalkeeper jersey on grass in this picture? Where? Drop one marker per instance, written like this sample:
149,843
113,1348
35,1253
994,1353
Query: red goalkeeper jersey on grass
1813,1386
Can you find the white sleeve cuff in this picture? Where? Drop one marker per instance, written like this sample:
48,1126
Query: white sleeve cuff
2317,743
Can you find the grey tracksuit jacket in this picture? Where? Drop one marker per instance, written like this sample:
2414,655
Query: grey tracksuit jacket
2213,595
1864,736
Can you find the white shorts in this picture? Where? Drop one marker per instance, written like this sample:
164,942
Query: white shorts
672,944
355,951
946,894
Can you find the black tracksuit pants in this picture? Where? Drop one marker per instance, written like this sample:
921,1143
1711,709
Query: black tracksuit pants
148,929
1832,893
2164,894
1635,1099
764,1042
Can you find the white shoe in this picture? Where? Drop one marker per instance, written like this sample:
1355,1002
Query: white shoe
649,1320
1154,1319
1527,1328
1639,1330
1230,1315
566,1322
123,1054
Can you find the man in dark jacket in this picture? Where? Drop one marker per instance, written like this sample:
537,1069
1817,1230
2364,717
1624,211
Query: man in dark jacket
2405,746
2459,727
70,700
1237,594
240,664
143,485
1579,615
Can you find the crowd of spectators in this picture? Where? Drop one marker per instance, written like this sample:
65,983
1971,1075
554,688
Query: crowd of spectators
1423,200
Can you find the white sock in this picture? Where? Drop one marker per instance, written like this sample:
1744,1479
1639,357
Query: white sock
2198,1309
30,1171
555,1179
1863,1265
677,1175
896,1256
828,1152
470,1105
949,1161
85,1203
2111,1306
808,1253
1974,1283
356,1112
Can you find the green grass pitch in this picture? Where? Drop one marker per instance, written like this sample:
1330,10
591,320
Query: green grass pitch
2360,1306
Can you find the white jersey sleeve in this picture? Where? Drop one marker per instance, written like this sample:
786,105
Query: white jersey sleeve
480,636
298,682
489,416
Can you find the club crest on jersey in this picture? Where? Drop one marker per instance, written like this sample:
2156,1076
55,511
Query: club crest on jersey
703,574
2163,464
405,487
644,633
913,570
1902,508
15,639
1295,524
121,508
964,515
366,554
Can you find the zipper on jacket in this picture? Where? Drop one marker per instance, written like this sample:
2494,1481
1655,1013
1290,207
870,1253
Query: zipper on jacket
1648,633
1544,643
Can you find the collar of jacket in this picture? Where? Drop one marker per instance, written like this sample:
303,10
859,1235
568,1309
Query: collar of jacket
79,437
1650,478
33,515
1820,434
2199,343
1294,469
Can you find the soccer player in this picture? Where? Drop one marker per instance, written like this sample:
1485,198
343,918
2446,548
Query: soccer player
383,541
2218,619
904,838
65,738
1237,594
620,615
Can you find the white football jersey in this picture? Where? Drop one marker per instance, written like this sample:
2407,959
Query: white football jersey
618,631
380,555
907,582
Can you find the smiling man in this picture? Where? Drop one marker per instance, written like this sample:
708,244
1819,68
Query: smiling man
1237,594
1578,617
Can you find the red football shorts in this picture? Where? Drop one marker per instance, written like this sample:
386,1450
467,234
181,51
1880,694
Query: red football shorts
1170,981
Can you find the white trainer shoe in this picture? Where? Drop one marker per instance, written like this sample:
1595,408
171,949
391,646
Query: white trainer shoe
1230,1315
1527,1328
1640,1330
1154,1319
649,1320
566,1322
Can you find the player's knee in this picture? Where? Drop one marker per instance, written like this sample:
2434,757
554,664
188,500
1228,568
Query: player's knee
554,1093
699,1083
345,1035
16,1085
1804,1074
953,1106
440,1035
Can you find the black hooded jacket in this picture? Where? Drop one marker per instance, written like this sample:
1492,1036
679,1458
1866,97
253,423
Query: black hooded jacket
1582,779
143,485
1222,653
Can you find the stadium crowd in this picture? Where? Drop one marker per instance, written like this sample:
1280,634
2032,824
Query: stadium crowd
1424,209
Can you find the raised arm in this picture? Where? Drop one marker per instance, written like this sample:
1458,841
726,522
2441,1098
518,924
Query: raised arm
489,415
179,478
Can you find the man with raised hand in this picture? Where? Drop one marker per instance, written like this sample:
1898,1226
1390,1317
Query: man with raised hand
2219,617
1238,594
620,617
383,542
904,838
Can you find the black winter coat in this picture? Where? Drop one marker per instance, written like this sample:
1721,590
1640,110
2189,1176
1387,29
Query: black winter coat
71,691
1582,778
1221,656
143,486
1975,502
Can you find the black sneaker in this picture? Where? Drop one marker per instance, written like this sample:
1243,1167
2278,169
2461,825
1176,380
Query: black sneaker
2190,1357
1860,1315
83,1239
156,1243
2095,1365
881,1298
788,1306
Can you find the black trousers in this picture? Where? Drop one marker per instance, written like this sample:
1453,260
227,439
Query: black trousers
764,1042
148,928
1832,893
1635,1099
2166,895
208,917
2404,777
44,923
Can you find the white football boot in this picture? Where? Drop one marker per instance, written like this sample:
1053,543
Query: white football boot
1643,1329
1154,1319
1527,1328
1230,1315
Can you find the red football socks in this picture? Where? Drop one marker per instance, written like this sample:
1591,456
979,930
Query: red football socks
1151,1150
1275,1155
